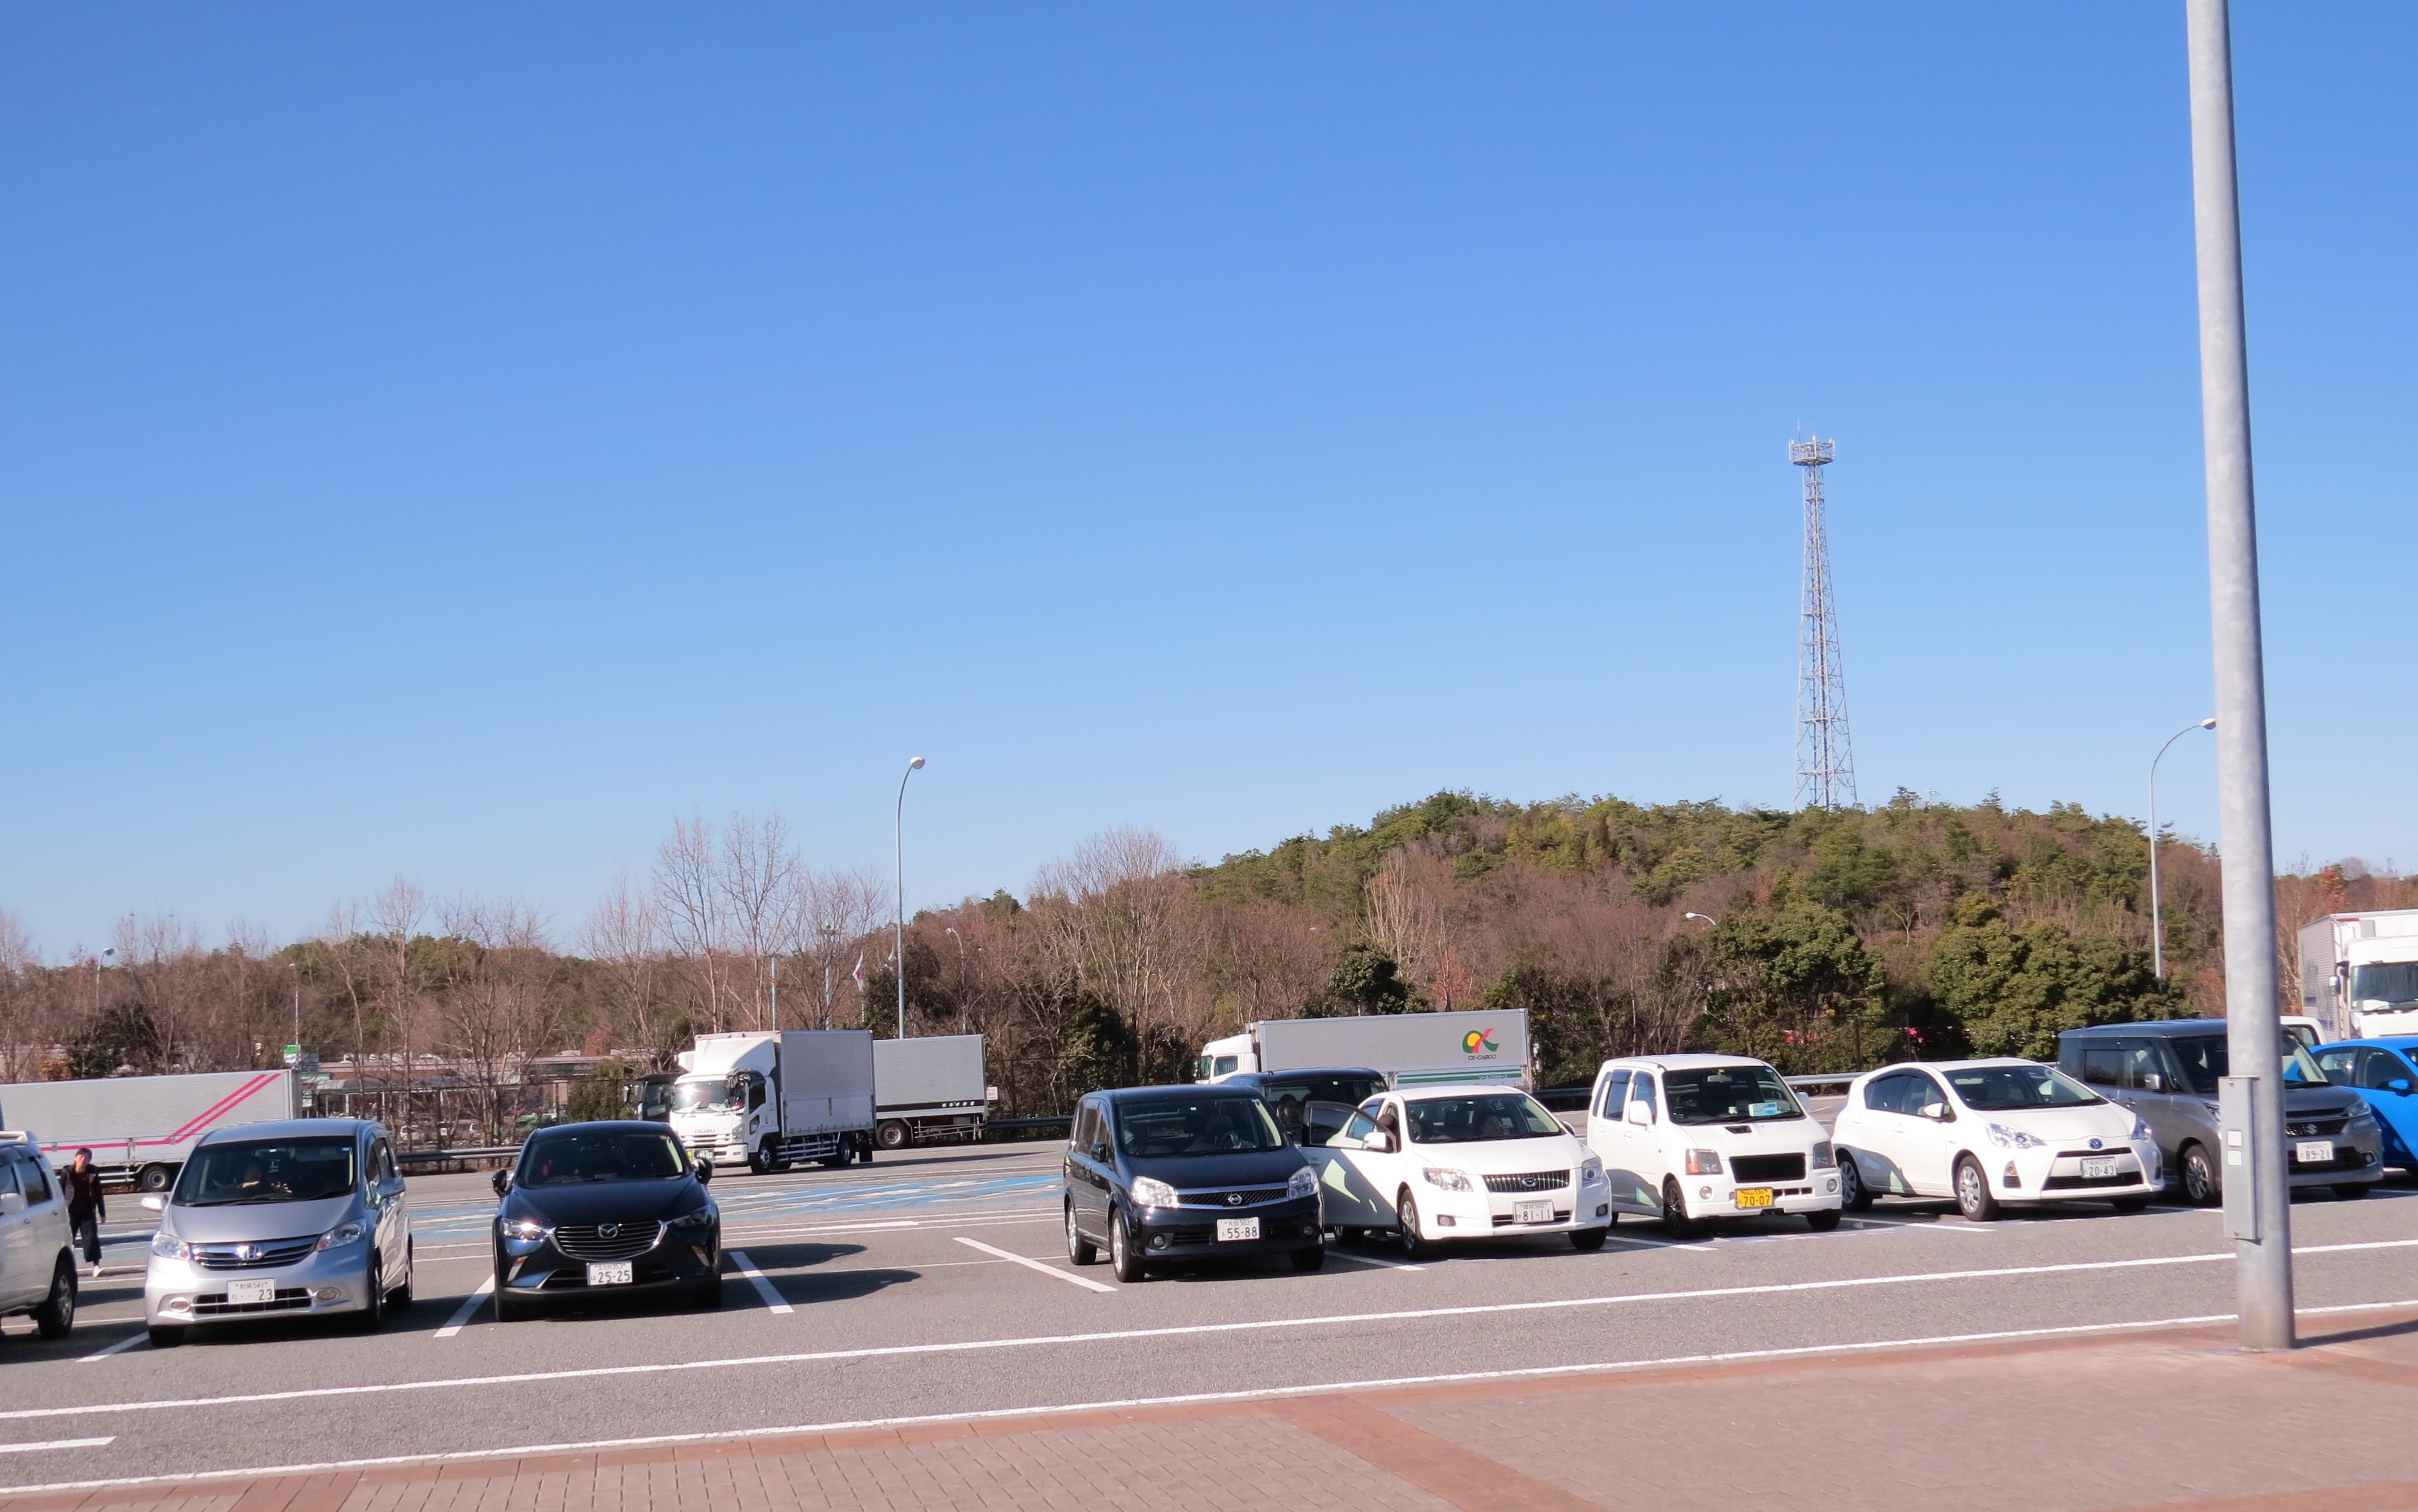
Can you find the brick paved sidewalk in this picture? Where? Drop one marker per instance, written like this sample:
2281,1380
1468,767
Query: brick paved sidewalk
2166,1419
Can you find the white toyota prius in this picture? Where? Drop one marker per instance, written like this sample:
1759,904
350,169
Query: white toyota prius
1991,1132
1459,1162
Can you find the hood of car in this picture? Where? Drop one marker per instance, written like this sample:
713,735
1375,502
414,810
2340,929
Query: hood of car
2110,1121
235,1223
603,1201
1247,1168
2318,1102
1504,1157
1779,1136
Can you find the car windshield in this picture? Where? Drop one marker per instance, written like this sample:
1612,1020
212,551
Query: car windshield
2007,1089
1196,1126
576,1156
1473,1120
2394,982
1728,1095
2205,1057
267,1170
707,1096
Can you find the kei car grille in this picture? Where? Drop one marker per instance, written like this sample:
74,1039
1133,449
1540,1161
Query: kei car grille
589,1240
257,1255
2308,1127
1529,1180
1225,1196
1769,1168
288,1299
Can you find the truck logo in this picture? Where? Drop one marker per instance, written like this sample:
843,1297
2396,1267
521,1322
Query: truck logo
1475,1043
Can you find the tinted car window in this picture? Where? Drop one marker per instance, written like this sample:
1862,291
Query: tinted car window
246,1171
576,1156
2005,1088
1616,1092
1887,1095
2103,1065
2379,1069
1728,1095
1641,1090
1196,1126
1353,1090
1472,1119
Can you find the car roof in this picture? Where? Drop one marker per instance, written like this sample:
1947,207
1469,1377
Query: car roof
1174,1093
1682,1063
287,1128
1458,1088
603,1123
2147,1026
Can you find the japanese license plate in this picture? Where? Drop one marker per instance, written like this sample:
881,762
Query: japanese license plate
1755,1197
1532,1212
1230,1229
2095,1166
610,1273
247,1293
2314,1152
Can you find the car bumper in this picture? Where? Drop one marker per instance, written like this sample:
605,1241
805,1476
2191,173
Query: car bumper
2358,1157
1451,1214
530,1268
1191,1233
177,1293
2056,1174
1711,1198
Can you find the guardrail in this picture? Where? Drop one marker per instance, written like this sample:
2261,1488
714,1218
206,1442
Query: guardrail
1840,1079
1016,1127
457,1159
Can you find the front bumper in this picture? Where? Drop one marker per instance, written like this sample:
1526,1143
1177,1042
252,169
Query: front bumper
1717,1196
1191,1232
176,1293
1447,1213
2055,1173
2359,1157
677,1258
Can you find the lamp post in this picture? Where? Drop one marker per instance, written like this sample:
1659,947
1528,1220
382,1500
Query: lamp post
2157,912
898,869
1706,917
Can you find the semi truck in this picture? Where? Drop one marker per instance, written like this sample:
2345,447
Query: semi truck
2359,972
770,1098
1412,1049
140,1129
929,1089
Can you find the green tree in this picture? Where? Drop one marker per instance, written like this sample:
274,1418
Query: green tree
1794,985
1368,979
2014,989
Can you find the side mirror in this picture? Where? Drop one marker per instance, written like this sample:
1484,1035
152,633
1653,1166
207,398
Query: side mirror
1639,1114
1937,1112
503,1181
154,1203
2151,1082
2400,1085
1380,1141
12,1203
1099,1149
703,1167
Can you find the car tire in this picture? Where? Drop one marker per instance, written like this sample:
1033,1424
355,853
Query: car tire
1310,1259
1350,1238
509,1308
2130,1204
166,1336
154,1178
1675,1221
56,1317
892,1134
1823,1221
1854,1196
1973,1197
2351,1191
2197,1174
1415,1246
1123,1258
1587,1241
1080,1250
372,1314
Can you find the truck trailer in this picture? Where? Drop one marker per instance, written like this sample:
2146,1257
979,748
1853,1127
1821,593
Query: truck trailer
929,1089
2359,972
140,1129
1412,1049
769,1098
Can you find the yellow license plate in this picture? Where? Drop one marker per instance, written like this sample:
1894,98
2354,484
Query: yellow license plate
1755,1197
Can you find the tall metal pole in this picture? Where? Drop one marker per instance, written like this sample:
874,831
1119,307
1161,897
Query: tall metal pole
898,868
2263,1253
2157,911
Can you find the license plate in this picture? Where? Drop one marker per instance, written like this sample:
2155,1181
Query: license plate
2314,1152
247,1293
2093,1168
1533,1212
611,1272
1228,1228
1755,1197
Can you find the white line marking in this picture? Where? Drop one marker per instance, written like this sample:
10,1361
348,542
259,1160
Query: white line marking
1083,1281
469,1305
56,1443
126,1343
1177,1331
1934,1226
756,1277
1357,1259
1264,1393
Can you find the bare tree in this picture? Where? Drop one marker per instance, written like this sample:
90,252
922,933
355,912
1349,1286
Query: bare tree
495,1005
1119,920
21,1042
623,934
837,910
759,878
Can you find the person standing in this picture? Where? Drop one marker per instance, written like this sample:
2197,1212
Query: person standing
87,1208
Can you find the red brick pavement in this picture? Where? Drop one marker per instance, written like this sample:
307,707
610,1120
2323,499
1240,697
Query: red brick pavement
2172,1419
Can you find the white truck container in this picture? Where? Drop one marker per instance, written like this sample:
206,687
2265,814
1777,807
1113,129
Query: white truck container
769,1098
929,1089
140,1129
1410,1049
2359,972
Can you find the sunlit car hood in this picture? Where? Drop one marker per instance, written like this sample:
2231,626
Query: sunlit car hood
1749,1137
2092,1120
1504,1157
235,1224
1247,1167
603,1201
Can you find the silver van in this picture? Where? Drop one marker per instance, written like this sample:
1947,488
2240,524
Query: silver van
290,1219
2167,1071
38,1273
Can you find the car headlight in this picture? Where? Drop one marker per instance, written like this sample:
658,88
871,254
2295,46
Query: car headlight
168,1247
1591,1172
1824,1157
1150,1192
522,1229
342,1234
1704,1162
695,1218
2007,1139
1304,1184
2361,1113
2141,1129
1444,1178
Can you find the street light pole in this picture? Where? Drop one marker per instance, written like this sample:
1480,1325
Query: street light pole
2157,913
2261,1226
898,868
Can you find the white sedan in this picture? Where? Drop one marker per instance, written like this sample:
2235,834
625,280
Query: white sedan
1459,1162
1991,1132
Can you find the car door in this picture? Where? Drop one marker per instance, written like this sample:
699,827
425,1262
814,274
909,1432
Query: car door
17,1257
1642,1159
385,1183
1930,1144
1087,1180
1346,1196
1613,1140
1383,1173
2152,1089
2396,1107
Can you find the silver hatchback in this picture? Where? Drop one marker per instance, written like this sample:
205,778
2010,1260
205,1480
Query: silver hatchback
298,1218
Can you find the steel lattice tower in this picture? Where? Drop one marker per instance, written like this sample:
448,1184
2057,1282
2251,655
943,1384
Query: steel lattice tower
1825,763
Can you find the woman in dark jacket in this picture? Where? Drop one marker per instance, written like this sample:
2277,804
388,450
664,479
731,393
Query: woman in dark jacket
87,1208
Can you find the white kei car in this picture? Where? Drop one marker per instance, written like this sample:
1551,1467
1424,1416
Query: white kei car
1991,1132
1437,1163
1690,1137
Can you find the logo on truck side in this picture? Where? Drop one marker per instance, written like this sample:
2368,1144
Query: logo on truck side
1475,1043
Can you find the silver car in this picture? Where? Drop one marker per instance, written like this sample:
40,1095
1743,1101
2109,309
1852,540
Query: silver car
292,1219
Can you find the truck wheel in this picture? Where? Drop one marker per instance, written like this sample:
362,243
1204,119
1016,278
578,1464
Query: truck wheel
154,1178
56,1317
835,1161
759,1160
893,1135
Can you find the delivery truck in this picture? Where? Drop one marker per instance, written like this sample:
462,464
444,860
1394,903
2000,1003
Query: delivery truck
1412,1049
929,1089
2359,972
770,1098
140,1129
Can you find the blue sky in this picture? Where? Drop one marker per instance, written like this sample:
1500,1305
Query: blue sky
453,441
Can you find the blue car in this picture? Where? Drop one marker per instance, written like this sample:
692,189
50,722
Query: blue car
2382,1072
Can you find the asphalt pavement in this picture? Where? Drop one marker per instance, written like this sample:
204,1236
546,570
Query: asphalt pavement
934,1285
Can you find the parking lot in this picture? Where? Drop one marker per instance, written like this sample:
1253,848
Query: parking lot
933,1285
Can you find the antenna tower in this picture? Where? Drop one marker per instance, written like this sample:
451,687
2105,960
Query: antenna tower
1826,765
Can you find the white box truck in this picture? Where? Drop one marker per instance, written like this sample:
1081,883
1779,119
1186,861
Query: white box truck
769,1098
140,1129
929,1089
1410,1050
2359,972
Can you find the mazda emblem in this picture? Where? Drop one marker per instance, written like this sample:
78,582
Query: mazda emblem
1233,1199
608,1231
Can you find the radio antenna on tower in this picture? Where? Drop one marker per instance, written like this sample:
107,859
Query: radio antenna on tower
1825,764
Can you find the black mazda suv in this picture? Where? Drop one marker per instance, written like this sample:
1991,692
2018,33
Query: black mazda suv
605,1209
1160,1174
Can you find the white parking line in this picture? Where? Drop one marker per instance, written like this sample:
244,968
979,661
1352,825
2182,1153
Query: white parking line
469,1305
1935,1225
56,1443
1083,1281
763,1289
1358,1258
126,1343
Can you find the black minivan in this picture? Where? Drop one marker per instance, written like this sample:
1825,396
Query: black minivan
1162,1174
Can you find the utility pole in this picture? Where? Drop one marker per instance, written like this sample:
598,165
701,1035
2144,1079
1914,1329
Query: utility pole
2257,1204
898,867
